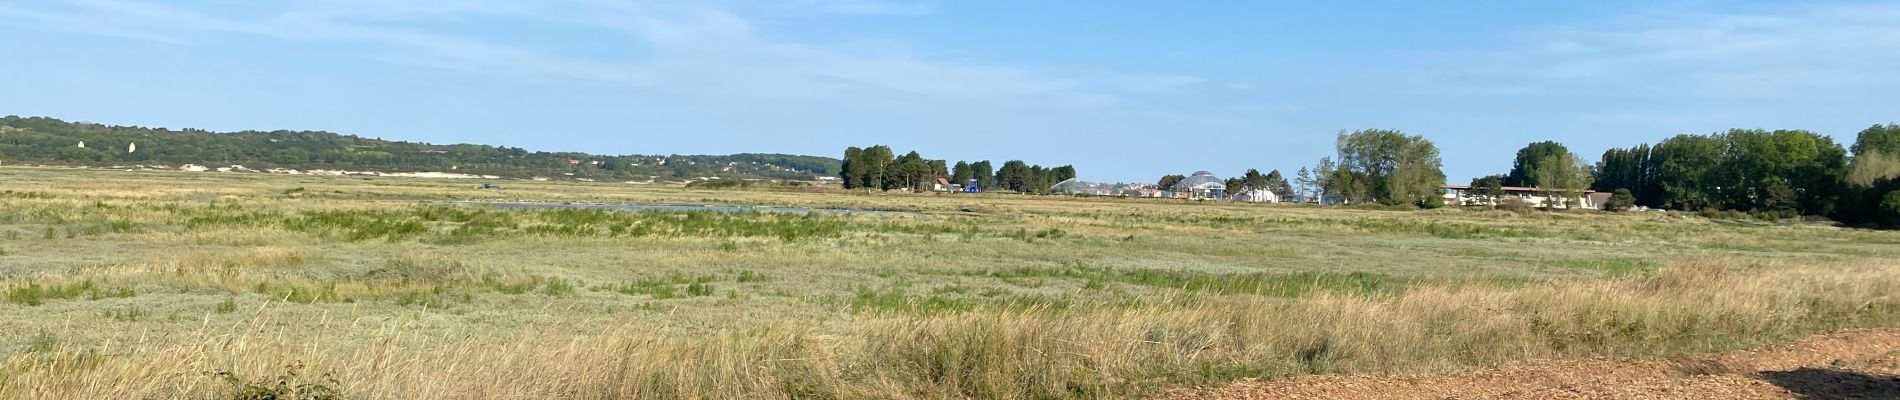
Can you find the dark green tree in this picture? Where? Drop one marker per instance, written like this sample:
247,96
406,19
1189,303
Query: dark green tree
1167,181
1279,186
984,174
1686,167
1488,188
1254,179
1621,200
960,173
880,169
1889,210
1876,155
910,172
1783,171
1015,176
1388,167
1529,159
1871,195
1882,138
1632,169
937,171
853,172
1062,173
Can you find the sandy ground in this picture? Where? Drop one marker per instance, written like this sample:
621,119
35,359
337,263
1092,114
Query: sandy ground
1862,364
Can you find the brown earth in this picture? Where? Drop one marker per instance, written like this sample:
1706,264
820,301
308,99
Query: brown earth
1862,364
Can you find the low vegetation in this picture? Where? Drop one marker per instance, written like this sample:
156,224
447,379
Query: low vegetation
221,285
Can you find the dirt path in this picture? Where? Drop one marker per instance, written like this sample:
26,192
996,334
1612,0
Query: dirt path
1849,365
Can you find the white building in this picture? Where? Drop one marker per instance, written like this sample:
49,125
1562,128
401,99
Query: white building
1462,195
1257,196
1200,185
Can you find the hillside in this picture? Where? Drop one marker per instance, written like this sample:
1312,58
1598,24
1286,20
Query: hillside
41,140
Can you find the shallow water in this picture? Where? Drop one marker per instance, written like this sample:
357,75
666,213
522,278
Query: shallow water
680,208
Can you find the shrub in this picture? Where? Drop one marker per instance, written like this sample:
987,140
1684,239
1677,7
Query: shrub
33,294
719,184
1714,213
1890,209
290,385
697,289
228,306
557,287
1515,205
129,314
1621,200
666,287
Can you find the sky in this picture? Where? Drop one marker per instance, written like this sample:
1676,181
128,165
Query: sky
1123,90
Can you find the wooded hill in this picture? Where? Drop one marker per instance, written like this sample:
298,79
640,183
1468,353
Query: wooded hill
39,140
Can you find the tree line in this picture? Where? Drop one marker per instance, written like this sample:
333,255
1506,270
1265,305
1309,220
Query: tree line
1781,173
52,141
1777,174
876,167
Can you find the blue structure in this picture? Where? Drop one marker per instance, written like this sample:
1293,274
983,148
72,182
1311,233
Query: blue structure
971,186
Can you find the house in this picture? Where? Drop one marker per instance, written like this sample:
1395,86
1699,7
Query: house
1257,196
1462,195
940,185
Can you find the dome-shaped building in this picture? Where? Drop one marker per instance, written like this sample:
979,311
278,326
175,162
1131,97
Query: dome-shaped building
1201,185
1081,187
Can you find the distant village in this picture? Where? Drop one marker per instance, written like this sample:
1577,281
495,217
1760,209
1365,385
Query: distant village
1199,186
1206,186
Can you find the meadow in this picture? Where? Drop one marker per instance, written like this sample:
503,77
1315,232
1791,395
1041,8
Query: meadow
157,284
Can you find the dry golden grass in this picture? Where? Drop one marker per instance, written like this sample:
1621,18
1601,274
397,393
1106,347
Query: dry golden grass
147,285
1033,353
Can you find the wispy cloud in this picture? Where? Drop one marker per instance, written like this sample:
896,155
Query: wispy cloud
687,48
65,21
872,7
1801,48
1160,83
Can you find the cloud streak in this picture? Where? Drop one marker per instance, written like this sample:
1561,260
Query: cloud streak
1804,48
873,7
690,49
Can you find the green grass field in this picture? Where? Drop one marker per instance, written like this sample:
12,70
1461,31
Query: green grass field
168,284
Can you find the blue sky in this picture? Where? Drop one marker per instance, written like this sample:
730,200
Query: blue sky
1125,91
